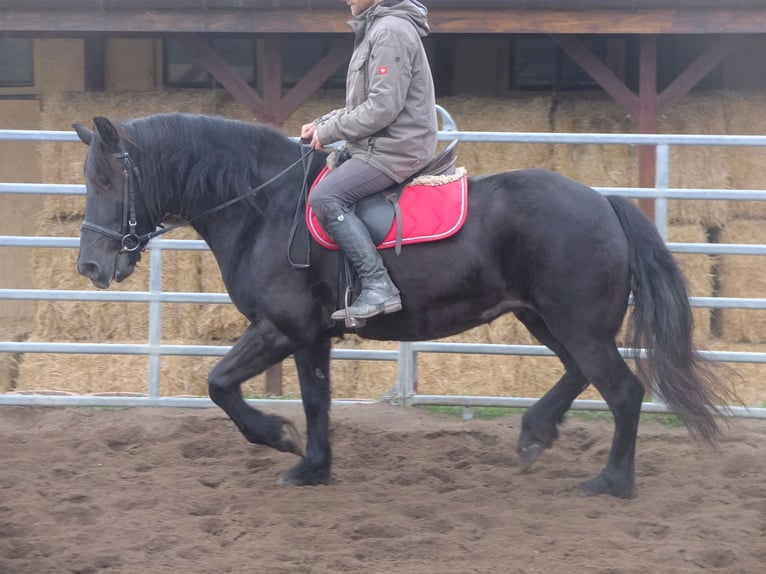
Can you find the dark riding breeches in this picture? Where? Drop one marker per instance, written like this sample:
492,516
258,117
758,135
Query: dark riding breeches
351,181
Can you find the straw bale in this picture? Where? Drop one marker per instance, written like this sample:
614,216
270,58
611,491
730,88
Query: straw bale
748,379
521,113
746,115
9,368
54,268
596,165
491,375
88,374
81,374
494,375
743,276
363,379
74,320
307,112
62,162
215,322
181,271
14,330
699,272
704,167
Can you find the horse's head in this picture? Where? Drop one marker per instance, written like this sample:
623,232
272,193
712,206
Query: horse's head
115,214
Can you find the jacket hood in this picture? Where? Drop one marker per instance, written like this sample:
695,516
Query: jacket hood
411,10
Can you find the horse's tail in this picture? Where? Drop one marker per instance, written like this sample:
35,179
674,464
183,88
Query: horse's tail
662,323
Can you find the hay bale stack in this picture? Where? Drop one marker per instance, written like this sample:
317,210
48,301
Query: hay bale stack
523,113
62,162
460,374
748,379
363,379
743,276
16,331
595,165
745,116
699,272
75,320
216,322
704,167
101,322
94,374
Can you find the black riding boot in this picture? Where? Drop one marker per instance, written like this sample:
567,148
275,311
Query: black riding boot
379,294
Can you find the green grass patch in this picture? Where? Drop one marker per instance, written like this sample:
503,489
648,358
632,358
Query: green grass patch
484,413
487,413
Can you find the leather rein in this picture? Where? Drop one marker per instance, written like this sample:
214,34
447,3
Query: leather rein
130,241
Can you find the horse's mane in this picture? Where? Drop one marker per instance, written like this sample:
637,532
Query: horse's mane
206,158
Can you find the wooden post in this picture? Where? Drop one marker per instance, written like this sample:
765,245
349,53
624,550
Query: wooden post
647,116
274,380
270,81
95,63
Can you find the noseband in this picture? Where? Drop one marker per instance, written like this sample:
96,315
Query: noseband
128,238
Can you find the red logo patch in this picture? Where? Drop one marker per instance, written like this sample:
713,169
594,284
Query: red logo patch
383,70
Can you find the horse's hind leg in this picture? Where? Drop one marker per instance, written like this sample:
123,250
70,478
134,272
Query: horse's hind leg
623,393
603,366
261,346
539,427
313,364
587,360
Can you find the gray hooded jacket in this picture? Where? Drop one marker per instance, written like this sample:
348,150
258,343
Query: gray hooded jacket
390,115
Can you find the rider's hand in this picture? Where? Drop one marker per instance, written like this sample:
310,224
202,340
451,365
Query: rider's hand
309,135
307,132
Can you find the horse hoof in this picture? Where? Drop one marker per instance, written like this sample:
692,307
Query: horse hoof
600,485
305,474
286,480
291,439
528,455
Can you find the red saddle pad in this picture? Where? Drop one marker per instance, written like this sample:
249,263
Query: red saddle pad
429,213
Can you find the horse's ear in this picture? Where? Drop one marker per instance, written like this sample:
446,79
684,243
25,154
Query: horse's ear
108,133
85,135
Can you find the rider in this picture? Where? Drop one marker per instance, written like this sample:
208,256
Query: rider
389,125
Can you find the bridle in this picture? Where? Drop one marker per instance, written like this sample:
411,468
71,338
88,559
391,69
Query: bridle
130,241
127,237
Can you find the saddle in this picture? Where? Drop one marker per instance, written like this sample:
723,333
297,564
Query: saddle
431,205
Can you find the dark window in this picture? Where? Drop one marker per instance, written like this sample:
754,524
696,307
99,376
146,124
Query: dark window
301,53
16,62
674,55
182,70
537,62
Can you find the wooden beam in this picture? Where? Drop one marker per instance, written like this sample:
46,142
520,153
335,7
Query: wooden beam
599,71
713,54
227,77
647,117
333,21
95,63
270,80
273,385
606,21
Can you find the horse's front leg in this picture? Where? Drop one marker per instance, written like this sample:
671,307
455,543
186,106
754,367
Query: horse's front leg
313,364
261,346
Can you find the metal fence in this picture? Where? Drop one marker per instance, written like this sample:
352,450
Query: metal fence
407,354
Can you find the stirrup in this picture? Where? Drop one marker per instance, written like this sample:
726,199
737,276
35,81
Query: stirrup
351,322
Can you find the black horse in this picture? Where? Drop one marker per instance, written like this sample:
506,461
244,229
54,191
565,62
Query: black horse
559,255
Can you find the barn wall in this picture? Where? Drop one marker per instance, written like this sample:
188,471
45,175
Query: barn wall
58,66
133,81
